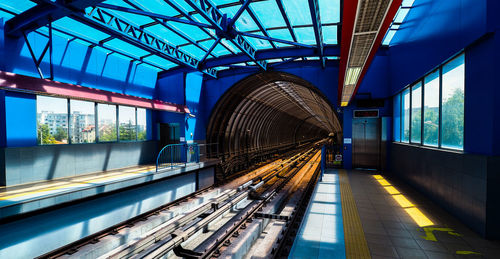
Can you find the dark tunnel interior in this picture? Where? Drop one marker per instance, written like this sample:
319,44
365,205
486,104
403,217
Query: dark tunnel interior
267,113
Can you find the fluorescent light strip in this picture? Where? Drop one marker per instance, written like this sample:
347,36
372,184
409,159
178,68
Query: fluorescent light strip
408,206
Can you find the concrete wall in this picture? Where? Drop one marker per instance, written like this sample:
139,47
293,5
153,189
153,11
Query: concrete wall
463,184
29,164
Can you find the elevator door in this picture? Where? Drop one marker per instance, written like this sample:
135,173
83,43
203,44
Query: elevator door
366,143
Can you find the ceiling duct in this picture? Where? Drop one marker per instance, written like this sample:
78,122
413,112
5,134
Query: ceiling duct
370,16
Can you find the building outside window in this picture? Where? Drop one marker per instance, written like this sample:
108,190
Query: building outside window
52,120
127,124
141,124
82,121
106,114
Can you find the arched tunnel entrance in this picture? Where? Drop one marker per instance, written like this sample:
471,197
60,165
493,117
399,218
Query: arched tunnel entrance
268,113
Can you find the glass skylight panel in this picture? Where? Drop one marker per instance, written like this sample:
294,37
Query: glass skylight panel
407,3
230,46
157,6
274,60
268,13
298,12
17,6
161,62
400,16
183,5
283,34
388,37
330,34
135,19
165,34
305,35
125,47
77,28
329,11
194,51
246,23
192,31
221,50
5,16
258,43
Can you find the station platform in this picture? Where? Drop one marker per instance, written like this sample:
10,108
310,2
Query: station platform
26,198
362,214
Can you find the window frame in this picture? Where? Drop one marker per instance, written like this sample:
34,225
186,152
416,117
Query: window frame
421,81
96,122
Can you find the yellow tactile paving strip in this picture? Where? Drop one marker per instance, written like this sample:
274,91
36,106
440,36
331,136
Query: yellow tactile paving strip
72,182
354,236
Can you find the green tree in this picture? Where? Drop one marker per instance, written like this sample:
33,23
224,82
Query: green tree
127,131
453,120
108,135
61,134
44,136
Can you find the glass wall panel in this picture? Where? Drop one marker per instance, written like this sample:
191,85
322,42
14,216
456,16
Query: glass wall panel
141,124
397,118
82,121
127,124
106,113
406,115
453,103
431,109
416,113
52,120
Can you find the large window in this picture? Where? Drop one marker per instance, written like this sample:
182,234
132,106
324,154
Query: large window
442,115
52,120
416,113
141,124
431,109
127,123
63,121
397,118
406,116
82,121
452,103
107,122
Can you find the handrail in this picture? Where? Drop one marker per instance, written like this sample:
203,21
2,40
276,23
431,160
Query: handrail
174,155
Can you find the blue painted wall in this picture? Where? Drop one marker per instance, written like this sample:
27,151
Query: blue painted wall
432,32
20,117
194,128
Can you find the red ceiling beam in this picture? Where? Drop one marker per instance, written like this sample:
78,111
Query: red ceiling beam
348,18
21,83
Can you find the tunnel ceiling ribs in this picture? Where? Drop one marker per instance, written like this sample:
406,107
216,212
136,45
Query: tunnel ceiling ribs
369,26
189,34
269,110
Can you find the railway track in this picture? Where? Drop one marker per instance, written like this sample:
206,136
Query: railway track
243,203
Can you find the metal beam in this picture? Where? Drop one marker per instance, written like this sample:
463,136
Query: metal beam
285,17
259,24
239,13
119,28
135,4
153,15
290,52
274,39
184,13
318,32
219,20
43,13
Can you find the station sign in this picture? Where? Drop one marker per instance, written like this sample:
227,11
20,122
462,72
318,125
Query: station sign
366,113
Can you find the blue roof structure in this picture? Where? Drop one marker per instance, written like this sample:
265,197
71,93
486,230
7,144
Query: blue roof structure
168,34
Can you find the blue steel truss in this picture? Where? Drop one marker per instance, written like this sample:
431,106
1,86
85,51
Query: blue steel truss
132,34
231,34
225,27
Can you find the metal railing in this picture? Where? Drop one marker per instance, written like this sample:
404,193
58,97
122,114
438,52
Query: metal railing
179,155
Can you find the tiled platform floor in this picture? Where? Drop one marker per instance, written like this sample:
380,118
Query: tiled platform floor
322,234
391,233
